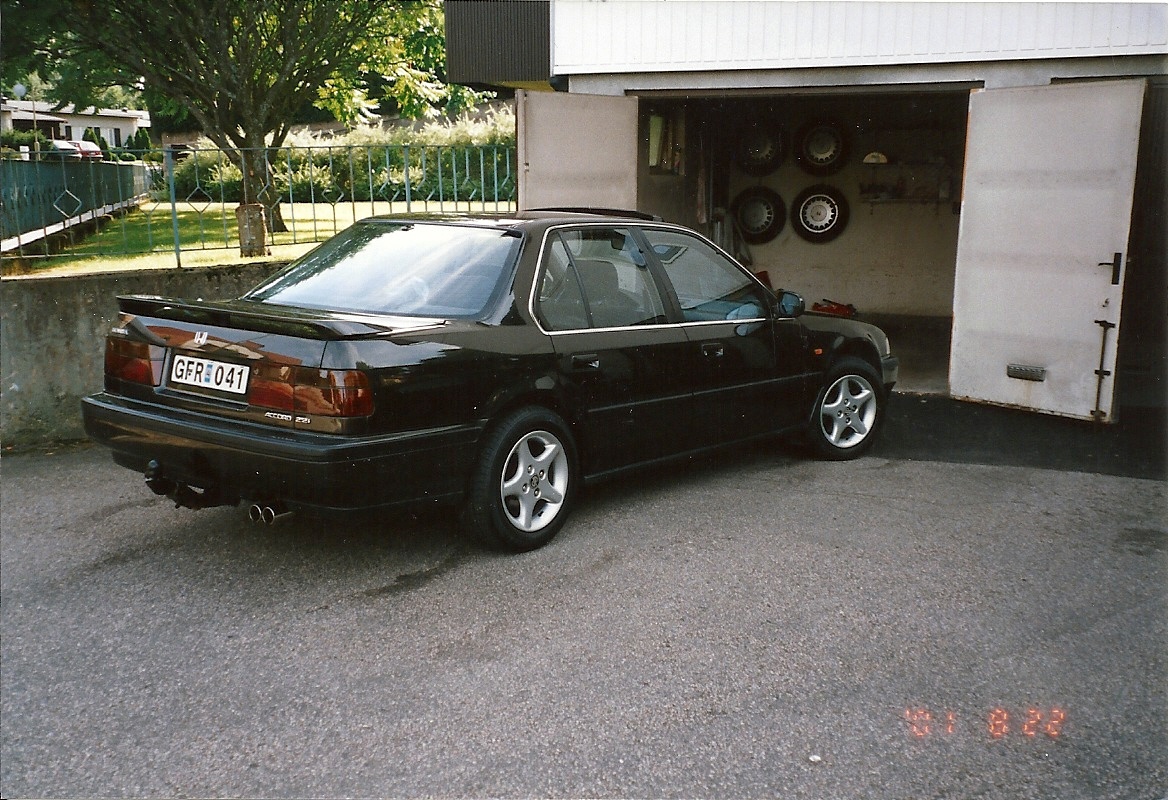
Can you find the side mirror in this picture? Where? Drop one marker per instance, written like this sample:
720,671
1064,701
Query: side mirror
790,304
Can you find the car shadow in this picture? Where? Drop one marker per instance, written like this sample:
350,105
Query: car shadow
932,428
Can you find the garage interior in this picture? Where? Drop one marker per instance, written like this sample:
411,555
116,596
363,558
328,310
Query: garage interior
739,167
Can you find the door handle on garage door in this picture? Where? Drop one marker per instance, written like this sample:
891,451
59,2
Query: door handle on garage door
586,363
1116,264
713,350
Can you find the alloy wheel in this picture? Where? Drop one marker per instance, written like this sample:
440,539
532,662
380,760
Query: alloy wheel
534,481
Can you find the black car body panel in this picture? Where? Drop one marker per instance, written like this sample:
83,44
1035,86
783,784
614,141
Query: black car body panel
297,468
354,407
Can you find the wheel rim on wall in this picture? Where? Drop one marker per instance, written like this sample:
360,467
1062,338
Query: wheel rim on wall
760,149
759,214
822,148
819,213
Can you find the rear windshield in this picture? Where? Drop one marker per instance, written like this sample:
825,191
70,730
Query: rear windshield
416,269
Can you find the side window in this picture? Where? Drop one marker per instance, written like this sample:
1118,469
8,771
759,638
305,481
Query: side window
708,285
597,277
561,304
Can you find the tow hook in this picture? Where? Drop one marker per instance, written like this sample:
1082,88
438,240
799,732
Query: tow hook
155,482
183,495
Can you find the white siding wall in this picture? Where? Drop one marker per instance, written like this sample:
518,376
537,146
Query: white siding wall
700,35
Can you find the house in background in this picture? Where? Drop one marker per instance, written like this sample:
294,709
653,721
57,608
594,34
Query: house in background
116,125
996,170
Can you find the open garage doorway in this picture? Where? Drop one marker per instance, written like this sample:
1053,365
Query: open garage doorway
849,198
865,197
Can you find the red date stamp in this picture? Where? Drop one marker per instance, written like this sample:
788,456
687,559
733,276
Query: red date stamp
998,723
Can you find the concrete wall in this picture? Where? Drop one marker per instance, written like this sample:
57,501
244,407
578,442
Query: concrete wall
52,339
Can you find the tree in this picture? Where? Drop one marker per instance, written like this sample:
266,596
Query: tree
242,68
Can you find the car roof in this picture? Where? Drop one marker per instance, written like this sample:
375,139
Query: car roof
524,220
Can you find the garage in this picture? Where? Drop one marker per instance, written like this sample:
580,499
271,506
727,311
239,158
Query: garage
850,199
985,181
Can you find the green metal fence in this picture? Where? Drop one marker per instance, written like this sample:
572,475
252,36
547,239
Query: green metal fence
39,198
187,199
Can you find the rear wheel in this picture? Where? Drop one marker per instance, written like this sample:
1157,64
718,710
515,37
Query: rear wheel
524,483
849,410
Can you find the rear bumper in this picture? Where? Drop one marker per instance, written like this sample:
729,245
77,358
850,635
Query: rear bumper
299,468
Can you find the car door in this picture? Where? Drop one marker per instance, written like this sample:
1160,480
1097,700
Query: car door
618,355
746,363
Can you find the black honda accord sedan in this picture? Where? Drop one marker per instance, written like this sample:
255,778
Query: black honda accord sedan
493,363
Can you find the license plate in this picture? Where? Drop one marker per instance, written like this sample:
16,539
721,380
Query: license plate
208,374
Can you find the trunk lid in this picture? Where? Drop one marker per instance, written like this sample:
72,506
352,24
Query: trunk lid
245,360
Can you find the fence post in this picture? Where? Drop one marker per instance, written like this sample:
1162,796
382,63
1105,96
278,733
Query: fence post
406,161
291,199
168,158
352,186
482,181
369,166
454,175
495,167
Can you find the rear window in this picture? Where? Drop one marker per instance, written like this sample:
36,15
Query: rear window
415,269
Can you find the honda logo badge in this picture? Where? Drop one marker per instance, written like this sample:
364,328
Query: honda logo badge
200,338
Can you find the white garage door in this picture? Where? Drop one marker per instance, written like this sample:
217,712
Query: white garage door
577,150
1041,251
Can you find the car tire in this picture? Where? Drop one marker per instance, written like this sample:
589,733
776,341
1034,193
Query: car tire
759,214
760,149
822,148
820,213
848,412
524,483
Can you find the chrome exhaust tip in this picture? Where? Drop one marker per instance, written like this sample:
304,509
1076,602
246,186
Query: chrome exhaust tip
272,515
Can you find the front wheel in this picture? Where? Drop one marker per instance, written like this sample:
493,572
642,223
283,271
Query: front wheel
849,411
524,483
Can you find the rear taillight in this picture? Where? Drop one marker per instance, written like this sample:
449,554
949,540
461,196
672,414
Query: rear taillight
322,392
136,362
333,392
271,387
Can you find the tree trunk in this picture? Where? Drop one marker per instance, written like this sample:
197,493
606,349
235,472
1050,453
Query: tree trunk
253,231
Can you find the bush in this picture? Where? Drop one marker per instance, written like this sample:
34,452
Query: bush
15,139
369,161
140,140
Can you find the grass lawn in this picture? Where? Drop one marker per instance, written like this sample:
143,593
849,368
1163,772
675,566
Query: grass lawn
144,238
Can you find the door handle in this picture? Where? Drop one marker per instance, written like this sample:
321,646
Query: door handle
585,362
713,350
1116,264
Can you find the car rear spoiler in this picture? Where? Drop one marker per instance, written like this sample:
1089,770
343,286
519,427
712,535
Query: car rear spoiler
272,319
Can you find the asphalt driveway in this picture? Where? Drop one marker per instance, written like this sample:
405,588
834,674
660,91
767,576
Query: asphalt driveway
976,610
